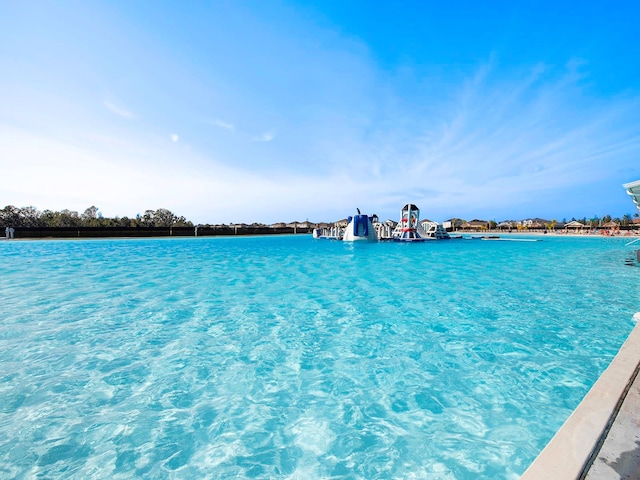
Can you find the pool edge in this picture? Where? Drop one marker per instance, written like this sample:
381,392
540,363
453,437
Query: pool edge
571,451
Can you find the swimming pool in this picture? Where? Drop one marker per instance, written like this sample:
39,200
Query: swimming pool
287,357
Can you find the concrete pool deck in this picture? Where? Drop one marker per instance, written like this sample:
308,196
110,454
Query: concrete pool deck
601,438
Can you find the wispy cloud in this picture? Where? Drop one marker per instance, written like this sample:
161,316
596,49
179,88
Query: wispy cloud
115,107
265,137
456,139
508,137
222,124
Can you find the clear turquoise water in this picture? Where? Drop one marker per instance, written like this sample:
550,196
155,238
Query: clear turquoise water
287,357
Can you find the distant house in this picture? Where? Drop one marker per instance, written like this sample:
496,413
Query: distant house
452,224
341,223
476,224
279,225
534,222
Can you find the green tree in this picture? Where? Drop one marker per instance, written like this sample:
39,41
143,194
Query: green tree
127,222
146,220
10,216
91,217
29,217
48,218
164,218
69,218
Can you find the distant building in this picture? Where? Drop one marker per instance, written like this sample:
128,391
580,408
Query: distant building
534,222
476,224
341,223
452,224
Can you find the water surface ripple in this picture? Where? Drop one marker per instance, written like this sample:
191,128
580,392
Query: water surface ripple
285,357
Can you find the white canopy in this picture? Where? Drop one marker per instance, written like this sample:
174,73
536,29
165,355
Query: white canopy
633,189
574,224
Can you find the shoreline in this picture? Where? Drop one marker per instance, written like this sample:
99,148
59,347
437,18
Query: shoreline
41,233
630,235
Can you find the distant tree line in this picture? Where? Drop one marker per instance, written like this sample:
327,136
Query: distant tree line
596,221
593,222
91,217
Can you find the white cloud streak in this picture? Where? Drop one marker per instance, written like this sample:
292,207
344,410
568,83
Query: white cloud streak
504,140
113,107
491,147
223,124
265,137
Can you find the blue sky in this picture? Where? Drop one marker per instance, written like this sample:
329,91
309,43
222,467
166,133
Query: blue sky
243,111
